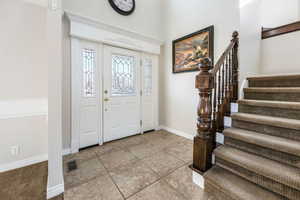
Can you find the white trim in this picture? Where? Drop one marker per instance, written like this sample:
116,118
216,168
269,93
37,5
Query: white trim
96,31
42,3
198,179
244,85
220,138
234,107
55,190
227,121
23,163
179,133
101,25
23,115
66,152
23,108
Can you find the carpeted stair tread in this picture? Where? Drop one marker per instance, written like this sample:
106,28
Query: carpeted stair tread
271,104
274,77
268,120
267,141
235,187
272,89
281,173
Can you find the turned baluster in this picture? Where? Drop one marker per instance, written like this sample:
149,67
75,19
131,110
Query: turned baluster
203,141
227,96
230,75
235,67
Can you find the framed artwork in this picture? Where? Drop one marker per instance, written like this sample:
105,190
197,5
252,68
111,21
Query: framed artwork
188,50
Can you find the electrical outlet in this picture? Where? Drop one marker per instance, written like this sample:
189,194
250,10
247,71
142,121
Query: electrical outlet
15,150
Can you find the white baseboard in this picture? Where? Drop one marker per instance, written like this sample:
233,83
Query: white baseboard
198,179
55,191
23,163
177,132
28,161
66,152
227,121
234,108
220,138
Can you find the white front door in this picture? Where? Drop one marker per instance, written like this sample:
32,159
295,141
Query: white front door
121,93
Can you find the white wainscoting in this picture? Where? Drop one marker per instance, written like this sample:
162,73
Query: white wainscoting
25,123
23,163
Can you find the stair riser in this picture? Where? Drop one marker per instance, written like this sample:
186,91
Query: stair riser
295,97
264,182
266,129
282,157
274,112
275,83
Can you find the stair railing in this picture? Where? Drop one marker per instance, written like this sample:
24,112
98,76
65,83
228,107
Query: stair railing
218,87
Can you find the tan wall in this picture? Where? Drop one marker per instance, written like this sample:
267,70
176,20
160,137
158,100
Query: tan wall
178,96
281,54
23,80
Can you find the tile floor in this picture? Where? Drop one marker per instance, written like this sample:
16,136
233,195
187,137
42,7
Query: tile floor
153,166
27,183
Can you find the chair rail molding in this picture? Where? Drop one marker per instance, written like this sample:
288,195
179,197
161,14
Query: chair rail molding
95,31
54,4
42,3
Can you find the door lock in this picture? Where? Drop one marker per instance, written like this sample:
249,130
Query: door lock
105,91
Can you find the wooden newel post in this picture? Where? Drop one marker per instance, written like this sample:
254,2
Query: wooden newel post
235,67
203,142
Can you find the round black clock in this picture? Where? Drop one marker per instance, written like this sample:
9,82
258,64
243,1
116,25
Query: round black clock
123,7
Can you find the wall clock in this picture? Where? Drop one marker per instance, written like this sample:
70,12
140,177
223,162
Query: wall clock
123,7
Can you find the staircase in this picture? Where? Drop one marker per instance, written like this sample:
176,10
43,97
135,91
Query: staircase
260,159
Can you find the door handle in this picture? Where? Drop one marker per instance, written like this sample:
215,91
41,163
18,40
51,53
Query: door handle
106,99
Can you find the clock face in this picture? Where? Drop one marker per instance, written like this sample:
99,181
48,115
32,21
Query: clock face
124,7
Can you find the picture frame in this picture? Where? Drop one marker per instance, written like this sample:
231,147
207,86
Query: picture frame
200,43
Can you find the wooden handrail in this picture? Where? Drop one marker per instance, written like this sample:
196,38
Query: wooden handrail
218,87
280,30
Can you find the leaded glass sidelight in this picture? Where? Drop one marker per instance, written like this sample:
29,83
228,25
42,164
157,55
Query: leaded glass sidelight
148,76
89,63
123,76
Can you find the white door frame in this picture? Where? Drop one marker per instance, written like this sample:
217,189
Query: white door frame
90,30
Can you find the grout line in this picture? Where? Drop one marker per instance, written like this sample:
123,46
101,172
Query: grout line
111,178
160,178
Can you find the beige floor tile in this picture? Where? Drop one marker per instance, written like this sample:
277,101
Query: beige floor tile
101,188
158,191
116,158
182,181
6,192
144,150
128,142
34,189
81,155
9,178
182,150
133,177
86,171
163,163
105,148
